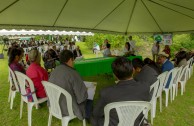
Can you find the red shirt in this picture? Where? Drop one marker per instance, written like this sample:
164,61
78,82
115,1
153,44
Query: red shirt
37,74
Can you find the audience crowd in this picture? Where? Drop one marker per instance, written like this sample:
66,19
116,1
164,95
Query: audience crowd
134,78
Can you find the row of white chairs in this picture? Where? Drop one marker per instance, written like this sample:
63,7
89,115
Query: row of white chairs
173,78
127,111
21,81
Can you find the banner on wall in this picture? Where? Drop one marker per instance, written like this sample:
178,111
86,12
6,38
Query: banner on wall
166,39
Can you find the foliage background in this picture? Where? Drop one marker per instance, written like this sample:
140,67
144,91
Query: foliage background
143,42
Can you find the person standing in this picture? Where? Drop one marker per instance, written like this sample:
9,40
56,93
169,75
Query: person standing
155,50
167,50
132,44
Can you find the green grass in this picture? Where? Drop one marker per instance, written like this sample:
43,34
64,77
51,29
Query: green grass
179,113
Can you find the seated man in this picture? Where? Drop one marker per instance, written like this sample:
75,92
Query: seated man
127,89
107,52
144,72
77,52
67,78
166,65
163,60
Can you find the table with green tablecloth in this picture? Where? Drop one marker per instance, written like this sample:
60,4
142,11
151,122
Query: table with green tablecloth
96,66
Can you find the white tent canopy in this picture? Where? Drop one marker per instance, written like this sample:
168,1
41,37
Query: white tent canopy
40,32
117,16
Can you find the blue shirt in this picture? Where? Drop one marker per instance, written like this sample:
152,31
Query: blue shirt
167,66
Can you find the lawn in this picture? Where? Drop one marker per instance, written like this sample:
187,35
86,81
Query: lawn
179,113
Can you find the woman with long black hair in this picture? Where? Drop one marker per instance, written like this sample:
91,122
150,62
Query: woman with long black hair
15,57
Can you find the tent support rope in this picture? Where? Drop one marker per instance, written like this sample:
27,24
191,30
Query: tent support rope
171,9
131,15
9,6
152,16
60,12
109,13
177,5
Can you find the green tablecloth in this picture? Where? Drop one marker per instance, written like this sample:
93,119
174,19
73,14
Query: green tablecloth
92,67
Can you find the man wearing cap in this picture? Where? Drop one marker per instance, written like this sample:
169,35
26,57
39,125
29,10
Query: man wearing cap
166,64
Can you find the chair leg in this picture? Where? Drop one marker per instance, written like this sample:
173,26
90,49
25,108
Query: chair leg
21,107
161,103
174,91
166,91
171,95
84,122
65,121
37,106
50,119
184,86
154,108
30,114
9,98
181,88
12,98
177,89
152,118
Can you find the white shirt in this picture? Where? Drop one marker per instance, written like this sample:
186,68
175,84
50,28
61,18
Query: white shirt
155,49
106,52
132,44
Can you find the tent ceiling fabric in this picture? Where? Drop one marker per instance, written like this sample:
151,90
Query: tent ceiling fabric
110,16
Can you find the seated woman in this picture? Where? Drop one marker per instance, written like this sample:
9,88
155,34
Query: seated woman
15,56
126,48
36,73
107,52
180,59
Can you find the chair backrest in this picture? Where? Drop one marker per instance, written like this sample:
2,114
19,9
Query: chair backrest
13,79
170,77
153,89
127,111
161,79
183,74
177,76
54,92
190,62
24,82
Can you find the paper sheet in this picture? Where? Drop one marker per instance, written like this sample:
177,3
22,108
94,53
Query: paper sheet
91,88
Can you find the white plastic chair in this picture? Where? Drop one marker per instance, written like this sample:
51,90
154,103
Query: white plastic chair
26,81
176,80
190,67
54,92
12,81
183,78
127,111
169,89
161,79
153,89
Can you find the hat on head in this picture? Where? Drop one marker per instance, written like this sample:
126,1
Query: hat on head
163,54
